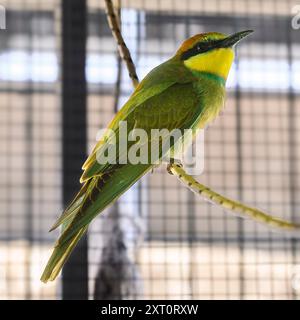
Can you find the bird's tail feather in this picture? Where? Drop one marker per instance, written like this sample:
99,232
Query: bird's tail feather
90,201
73,207
59,256
116,184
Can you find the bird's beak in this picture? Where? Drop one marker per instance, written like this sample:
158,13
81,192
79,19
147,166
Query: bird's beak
235,38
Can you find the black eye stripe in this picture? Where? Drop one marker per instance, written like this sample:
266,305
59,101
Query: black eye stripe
204,46
201,48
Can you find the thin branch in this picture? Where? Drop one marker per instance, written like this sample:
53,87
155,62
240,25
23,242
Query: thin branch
119,63
123,50
229,204
177,170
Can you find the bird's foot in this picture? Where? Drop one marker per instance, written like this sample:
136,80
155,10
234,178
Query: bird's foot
172,162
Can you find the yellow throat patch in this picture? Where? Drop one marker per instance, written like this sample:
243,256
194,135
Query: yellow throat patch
217,61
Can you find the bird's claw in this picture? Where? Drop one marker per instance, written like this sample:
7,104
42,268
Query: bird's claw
171,163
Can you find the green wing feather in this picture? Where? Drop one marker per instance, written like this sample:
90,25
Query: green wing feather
156,82
166,98
150,114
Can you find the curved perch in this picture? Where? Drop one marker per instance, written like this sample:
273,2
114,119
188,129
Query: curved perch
229,204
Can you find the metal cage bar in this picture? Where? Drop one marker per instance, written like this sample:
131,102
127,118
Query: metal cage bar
74,123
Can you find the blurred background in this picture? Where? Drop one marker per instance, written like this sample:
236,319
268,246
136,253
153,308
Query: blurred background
61,81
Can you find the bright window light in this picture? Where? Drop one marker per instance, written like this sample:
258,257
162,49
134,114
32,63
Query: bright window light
268,75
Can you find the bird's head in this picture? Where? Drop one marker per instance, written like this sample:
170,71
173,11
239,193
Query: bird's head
210,52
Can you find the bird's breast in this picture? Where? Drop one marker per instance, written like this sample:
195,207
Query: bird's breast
211,101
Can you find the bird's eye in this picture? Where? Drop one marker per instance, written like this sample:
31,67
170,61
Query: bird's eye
202,47
199,47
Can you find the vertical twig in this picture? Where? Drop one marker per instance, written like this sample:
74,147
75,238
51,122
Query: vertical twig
119,65
123,50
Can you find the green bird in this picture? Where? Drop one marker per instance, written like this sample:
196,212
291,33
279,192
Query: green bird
185,92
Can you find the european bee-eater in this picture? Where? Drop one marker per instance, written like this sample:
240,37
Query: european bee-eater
185,92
